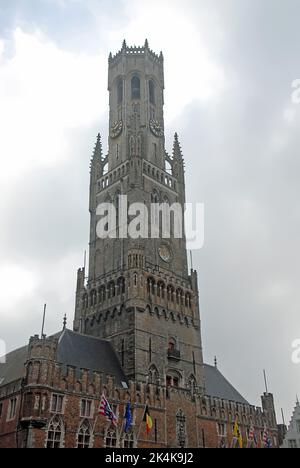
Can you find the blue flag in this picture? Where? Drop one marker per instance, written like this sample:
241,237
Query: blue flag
128,418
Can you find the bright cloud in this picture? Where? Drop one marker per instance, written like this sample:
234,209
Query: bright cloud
45,91
16,283
190,60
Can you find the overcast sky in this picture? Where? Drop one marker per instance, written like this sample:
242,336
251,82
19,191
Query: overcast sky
229,67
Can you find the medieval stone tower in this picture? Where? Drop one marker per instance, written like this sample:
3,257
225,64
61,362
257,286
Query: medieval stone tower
139,293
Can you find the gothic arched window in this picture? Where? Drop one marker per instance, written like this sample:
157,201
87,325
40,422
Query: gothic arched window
135,88
172,344
111,439
192,384
153,375
120,91
128,441
84,437
152,92
55,433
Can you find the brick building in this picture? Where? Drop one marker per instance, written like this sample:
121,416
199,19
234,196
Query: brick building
137,332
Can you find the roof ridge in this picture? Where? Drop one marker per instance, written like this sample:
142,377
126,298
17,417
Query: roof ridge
87,336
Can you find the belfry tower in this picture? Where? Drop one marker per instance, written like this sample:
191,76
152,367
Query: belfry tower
139,293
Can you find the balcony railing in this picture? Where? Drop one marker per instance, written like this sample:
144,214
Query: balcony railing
174,354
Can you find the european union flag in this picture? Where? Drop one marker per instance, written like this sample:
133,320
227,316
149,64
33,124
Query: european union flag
128,418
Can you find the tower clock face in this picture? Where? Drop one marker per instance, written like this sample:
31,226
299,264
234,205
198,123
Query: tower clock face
116,129
156,128
165,253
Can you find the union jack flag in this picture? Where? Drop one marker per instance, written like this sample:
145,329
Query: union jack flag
105,410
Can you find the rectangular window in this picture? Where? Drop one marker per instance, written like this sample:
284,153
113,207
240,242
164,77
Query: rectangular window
86,409
298,426
12,409
292,444
222,430
1,410
57,404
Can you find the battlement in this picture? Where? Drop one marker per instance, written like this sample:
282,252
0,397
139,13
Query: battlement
42,348
87,383
136,52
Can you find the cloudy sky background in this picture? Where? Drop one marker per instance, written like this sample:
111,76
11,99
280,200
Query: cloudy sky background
229,69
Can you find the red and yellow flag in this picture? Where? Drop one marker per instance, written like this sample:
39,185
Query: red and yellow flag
148,420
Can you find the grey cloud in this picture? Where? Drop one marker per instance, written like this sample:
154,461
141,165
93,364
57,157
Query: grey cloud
249,266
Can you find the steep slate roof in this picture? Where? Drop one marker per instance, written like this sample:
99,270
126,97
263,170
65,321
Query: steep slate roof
217,386
80,351
13,370
87,352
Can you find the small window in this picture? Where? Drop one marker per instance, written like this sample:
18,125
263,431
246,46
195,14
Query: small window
292,444
136,88
57,404
12,409
172,345
222,430
111,439
175,382
152,92
86,408
84,436
169,382
55,434
128,442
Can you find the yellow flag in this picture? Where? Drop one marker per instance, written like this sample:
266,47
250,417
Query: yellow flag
237,434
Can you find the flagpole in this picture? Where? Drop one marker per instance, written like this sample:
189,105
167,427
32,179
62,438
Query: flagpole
266,383
140,426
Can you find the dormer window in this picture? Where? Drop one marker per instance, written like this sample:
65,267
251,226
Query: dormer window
135,88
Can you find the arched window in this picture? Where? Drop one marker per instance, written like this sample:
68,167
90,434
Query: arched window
128,441
192,384
172,344
121,286
174,379
152,92
153,375
181,429
135,88
151,286
111,439
55,433
84,438
120,91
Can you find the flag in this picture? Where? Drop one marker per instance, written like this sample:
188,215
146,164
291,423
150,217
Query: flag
255,440
128,418
237,436
148,420
251,437
105,410
266,439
